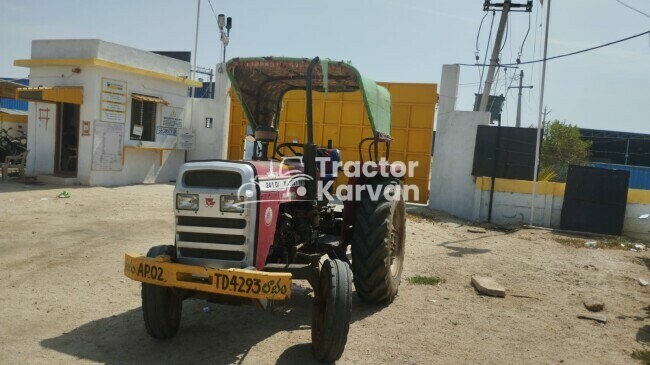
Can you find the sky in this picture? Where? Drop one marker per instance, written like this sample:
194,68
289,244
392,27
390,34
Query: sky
387,40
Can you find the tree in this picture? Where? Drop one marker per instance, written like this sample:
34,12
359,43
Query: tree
562,146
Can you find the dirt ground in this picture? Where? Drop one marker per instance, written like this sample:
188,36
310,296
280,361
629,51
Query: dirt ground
63,297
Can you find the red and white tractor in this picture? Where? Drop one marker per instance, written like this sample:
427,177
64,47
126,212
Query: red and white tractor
246,229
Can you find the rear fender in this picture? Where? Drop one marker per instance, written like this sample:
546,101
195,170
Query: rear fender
354,182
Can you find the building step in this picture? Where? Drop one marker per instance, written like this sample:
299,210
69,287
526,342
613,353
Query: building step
58,180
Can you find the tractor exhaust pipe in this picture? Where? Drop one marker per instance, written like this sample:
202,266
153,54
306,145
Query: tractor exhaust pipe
308,88
310,147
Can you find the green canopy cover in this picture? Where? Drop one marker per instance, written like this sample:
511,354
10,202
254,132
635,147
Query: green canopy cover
260,84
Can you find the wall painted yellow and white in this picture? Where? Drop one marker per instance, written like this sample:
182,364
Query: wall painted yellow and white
512,201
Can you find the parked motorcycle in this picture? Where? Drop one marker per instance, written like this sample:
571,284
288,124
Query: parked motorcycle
12,145
22,136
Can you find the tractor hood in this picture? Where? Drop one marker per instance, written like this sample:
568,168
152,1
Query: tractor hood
273,169
260,84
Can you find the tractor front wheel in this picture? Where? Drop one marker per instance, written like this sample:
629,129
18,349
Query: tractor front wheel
161,307
331,312
378,243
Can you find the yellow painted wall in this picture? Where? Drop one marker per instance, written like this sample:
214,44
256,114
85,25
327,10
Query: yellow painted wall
634,196
342,118
13,118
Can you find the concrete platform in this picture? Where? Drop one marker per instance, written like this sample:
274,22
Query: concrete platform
57,180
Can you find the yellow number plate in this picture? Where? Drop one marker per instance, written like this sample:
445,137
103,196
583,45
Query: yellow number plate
235,282
245,284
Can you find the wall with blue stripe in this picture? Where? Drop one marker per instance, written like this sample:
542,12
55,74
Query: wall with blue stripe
12,103
639,175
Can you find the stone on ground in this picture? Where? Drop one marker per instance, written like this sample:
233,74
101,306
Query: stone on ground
451,225
643,282
602,318
594,305
488,286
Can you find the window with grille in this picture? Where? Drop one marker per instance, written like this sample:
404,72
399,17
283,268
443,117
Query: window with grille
143,120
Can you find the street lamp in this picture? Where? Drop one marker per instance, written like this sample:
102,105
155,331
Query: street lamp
224,22
221,20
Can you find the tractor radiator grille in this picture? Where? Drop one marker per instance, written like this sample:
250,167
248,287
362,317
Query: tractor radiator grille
211,222
212,179
224,239
212,238
212,254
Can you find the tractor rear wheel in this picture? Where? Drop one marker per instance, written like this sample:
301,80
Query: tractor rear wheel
161,307
378,243
331,311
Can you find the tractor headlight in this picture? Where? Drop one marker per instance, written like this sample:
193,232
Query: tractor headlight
232,204
187,202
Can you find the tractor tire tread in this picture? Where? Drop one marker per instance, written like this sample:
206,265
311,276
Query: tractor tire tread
160,306
337,313
370,247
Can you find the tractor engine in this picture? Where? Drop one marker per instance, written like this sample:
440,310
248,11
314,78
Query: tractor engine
239,214
216,214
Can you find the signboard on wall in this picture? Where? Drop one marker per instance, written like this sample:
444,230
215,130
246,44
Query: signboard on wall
113,101
515,157
172,116
114,86
114,117
107,146
115,98
137,130
166,131
186,139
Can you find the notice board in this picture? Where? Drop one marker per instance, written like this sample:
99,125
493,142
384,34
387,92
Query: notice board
113,101
515,155
186,139
108,141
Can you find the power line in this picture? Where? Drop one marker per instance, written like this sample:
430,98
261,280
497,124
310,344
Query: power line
538,25
486,52
213,12
564,55
510,46
521,49
503,45
476,53
634,9
533,66
478,34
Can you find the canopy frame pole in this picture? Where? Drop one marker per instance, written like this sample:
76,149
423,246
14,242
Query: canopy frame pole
310,149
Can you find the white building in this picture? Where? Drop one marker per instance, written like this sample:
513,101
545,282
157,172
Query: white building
106,114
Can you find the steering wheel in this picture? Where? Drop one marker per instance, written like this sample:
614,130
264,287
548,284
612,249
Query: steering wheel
290,146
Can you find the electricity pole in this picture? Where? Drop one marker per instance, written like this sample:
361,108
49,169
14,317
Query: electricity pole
506,7
545,114
520,87
495,56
